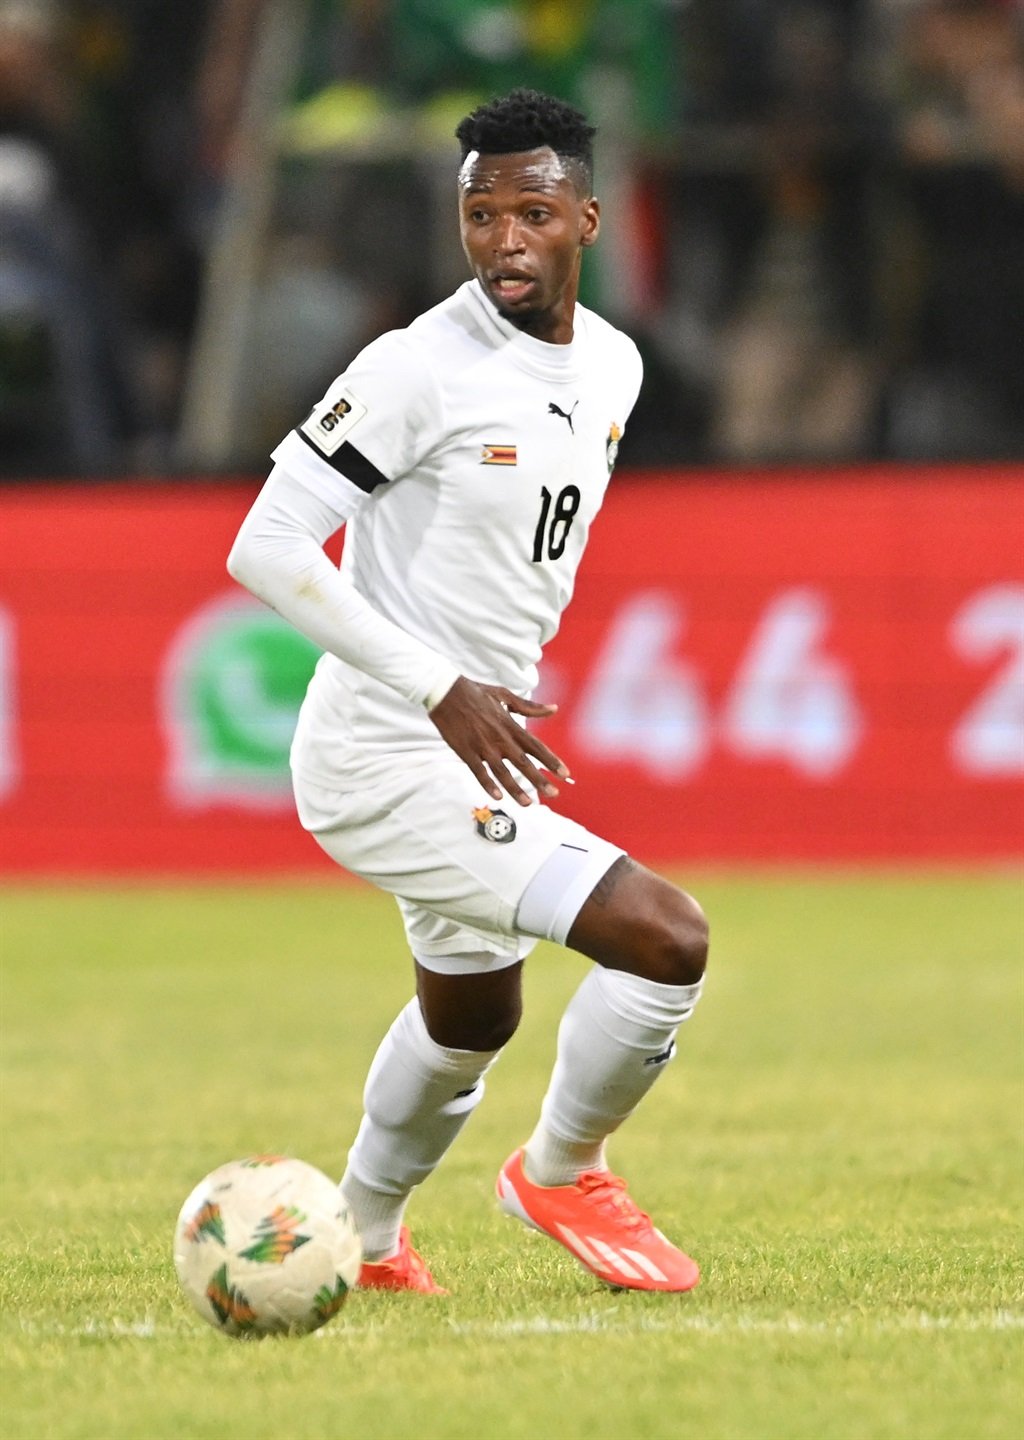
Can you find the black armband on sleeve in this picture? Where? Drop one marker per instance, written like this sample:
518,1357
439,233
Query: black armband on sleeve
349,462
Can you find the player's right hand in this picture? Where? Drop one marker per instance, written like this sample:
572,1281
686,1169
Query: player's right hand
476,721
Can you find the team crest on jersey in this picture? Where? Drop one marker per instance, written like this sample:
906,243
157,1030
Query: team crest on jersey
498,455
494,825
612,446
328,423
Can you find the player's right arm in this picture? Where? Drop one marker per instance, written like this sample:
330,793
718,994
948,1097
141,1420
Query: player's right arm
475,720
319,481
278,555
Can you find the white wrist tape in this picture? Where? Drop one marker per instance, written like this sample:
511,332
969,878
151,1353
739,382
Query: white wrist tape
437,694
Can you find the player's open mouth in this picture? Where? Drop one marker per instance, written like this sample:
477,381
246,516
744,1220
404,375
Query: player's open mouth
512,287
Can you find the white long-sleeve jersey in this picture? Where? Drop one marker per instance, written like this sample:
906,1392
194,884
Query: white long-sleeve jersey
468,461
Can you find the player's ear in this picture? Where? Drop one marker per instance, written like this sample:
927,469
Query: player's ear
590,221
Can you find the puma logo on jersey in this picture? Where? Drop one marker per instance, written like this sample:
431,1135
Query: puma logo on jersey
664,1057
554,409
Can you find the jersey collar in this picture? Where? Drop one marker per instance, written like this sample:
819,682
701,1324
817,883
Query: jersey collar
549,362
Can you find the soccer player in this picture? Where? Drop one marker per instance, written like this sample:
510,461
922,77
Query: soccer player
468,456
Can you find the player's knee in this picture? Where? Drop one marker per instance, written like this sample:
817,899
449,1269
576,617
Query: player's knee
481,1027
497,1028
679,942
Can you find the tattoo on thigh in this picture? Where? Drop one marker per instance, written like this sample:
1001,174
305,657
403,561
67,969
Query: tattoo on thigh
605,887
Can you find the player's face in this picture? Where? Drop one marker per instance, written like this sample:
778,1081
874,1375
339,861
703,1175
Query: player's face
524,227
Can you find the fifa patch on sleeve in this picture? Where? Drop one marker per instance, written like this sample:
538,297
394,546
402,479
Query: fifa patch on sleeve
328,423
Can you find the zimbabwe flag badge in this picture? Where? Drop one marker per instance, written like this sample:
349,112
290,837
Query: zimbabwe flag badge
498,455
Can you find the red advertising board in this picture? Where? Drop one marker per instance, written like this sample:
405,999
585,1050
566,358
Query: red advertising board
755,667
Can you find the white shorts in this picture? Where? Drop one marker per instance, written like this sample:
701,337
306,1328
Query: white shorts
419,826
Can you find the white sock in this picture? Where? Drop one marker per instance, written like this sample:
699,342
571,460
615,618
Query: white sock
417,1098
616,1036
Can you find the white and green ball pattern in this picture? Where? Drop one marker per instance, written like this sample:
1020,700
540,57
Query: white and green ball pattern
266,1245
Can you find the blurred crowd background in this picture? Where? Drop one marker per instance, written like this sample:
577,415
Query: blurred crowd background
814,216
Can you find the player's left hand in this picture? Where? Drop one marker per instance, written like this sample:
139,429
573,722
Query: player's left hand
476,721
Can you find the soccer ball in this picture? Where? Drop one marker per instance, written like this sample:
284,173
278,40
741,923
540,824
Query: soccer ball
266,1245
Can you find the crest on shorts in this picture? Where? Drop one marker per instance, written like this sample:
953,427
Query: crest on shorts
494,825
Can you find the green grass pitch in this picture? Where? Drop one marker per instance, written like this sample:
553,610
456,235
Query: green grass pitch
838,1143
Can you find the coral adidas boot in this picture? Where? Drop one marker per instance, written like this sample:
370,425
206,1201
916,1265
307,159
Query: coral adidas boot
406,1270
600,1225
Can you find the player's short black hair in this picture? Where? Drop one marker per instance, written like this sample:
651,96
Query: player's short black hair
526,120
